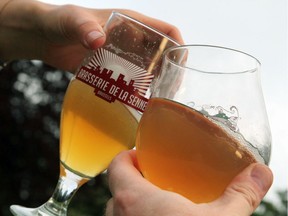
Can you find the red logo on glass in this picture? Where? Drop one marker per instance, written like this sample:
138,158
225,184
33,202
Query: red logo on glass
115,78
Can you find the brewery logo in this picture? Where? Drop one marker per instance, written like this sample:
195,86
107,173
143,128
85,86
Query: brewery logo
229,117
115,78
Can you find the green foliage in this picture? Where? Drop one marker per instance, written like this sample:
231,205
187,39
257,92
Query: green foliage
91,198
31,95
270,209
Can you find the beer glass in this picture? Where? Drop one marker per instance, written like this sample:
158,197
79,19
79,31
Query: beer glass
204,123
102,106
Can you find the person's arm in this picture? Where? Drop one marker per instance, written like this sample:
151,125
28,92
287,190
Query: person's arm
58,35
35,30
134,195
19,34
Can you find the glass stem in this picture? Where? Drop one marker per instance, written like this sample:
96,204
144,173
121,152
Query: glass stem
65,190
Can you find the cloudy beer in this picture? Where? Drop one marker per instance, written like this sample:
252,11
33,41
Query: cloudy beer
93,131
103,104
181,150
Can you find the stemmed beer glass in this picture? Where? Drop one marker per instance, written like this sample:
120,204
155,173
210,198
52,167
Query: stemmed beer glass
205,122
102,106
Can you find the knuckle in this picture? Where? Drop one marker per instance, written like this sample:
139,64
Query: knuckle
70,8
123,200
249,195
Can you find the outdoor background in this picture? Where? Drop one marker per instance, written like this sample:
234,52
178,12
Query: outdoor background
31,94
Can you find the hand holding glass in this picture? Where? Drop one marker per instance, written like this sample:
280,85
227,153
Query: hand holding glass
205,122
102,106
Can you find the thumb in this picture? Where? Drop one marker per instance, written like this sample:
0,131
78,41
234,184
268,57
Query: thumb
91,34
246,191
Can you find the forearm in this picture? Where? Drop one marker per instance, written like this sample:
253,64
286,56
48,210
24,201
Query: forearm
20,35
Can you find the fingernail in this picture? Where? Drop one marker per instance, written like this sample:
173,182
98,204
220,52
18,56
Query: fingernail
262,176
93,35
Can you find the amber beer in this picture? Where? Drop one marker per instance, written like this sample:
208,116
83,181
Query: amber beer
93,131
181,150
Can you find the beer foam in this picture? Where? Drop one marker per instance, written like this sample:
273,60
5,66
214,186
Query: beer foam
241,144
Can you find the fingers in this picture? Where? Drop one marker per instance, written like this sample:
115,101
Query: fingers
134,195
93,38
122,172
166,28
80,24
109,208
126,185
86,25
246,191
161,26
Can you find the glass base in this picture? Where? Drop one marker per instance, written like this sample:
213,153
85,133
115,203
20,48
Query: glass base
57,205
17,210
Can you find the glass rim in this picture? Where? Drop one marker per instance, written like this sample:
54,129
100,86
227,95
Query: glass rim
187,46
146,26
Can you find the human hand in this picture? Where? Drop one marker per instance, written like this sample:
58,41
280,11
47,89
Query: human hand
134,195
59,35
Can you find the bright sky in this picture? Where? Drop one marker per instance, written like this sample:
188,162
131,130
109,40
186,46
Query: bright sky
258,27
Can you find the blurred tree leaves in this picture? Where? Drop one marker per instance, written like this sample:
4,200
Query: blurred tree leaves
31,95
272,209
